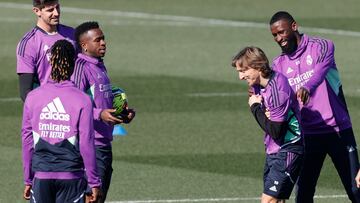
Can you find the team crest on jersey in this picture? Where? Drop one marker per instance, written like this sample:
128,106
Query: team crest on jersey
47,52
309,60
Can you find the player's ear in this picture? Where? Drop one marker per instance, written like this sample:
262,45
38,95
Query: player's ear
83,46
36,10
294,26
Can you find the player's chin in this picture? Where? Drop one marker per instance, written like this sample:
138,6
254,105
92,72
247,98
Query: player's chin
54,21
101,53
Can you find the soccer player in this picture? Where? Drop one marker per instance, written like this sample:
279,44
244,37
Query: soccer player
33,50
308,63
276,110
90,75
58,136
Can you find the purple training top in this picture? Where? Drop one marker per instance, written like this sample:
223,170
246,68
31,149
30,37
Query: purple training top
90,76
33,51
57,134
280,100
313,66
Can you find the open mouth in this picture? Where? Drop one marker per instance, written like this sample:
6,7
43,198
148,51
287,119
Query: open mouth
283,43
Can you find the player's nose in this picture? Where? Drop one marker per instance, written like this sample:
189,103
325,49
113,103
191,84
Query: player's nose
241,76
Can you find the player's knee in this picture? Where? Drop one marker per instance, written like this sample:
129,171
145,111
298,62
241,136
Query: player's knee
269,199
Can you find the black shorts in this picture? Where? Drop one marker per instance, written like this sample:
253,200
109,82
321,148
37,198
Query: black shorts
56,190
104,165
280,173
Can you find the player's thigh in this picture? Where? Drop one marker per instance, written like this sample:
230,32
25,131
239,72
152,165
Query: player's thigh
284,171
71,191
104,164
43,191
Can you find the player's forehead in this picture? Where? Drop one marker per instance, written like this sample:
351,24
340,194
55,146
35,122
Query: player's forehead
51,5
92,34
281,24
241,66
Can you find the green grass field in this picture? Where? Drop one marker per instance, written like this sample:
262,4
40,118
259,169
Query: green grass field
193,138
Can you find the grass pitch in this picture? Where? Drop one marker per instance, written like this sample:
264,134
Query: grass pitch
193,136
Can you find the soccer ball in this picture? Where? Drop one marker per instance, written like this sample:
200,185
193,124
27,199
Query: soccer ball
119,102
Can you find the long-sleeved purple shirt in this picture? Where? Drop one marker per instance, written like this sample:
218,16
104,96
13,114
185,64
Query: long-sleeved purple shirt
33,51
280,101
313,67
90,76
57,134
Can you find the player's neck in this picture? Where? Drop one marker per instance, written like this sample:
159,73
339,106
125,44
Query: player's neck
50,29
264,81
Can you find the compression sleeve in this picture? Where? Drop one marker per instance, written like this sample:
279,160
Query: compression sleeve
27,145
275,129
25,84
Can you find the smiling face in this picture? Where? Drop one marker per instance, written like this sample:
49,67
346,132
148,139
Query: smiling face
93,43
252,76
48,16
285,34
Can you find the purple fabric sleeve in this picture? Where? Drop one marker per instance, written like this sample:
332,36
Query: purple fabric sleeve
97,114
87,145
279,113
324,63
27,146
25,64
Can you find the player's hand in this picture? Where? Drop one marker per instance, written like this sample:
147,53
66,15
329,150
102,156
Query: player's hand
267,113
304,95
130,115
27,192
357,179
255,99
95,195
106,116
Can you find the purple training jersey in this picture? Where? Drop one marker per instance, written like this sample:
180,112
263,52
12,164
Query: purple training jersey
313,67
279,99
90,76
33,51
57,134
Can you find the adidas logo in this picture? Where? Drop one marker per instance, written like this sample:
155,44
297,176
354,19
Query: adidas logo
351,149
273,188
54,111
289,70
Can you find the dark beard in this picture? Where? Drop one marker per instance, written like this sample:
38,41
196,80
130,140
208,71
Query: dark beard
291,47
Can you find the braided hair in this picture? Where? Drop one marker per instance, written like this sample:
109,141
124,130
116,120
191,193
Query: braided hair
62,60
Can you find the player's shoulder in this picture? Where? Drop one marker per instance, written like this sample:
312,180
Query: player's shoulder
81,66
29,39
320,41
67,31
81,97
36,93
65,27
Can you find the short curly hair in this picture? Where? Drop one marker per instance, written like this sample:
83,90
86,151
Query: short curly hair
82,28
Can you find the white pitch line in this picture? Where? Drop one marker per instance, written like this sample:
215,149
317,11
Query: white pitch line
10,99
217,94
175,18
218,199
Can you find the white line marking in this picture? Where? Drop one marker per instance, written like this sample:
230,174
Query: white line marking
175,18
219,199
10,99
217,94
